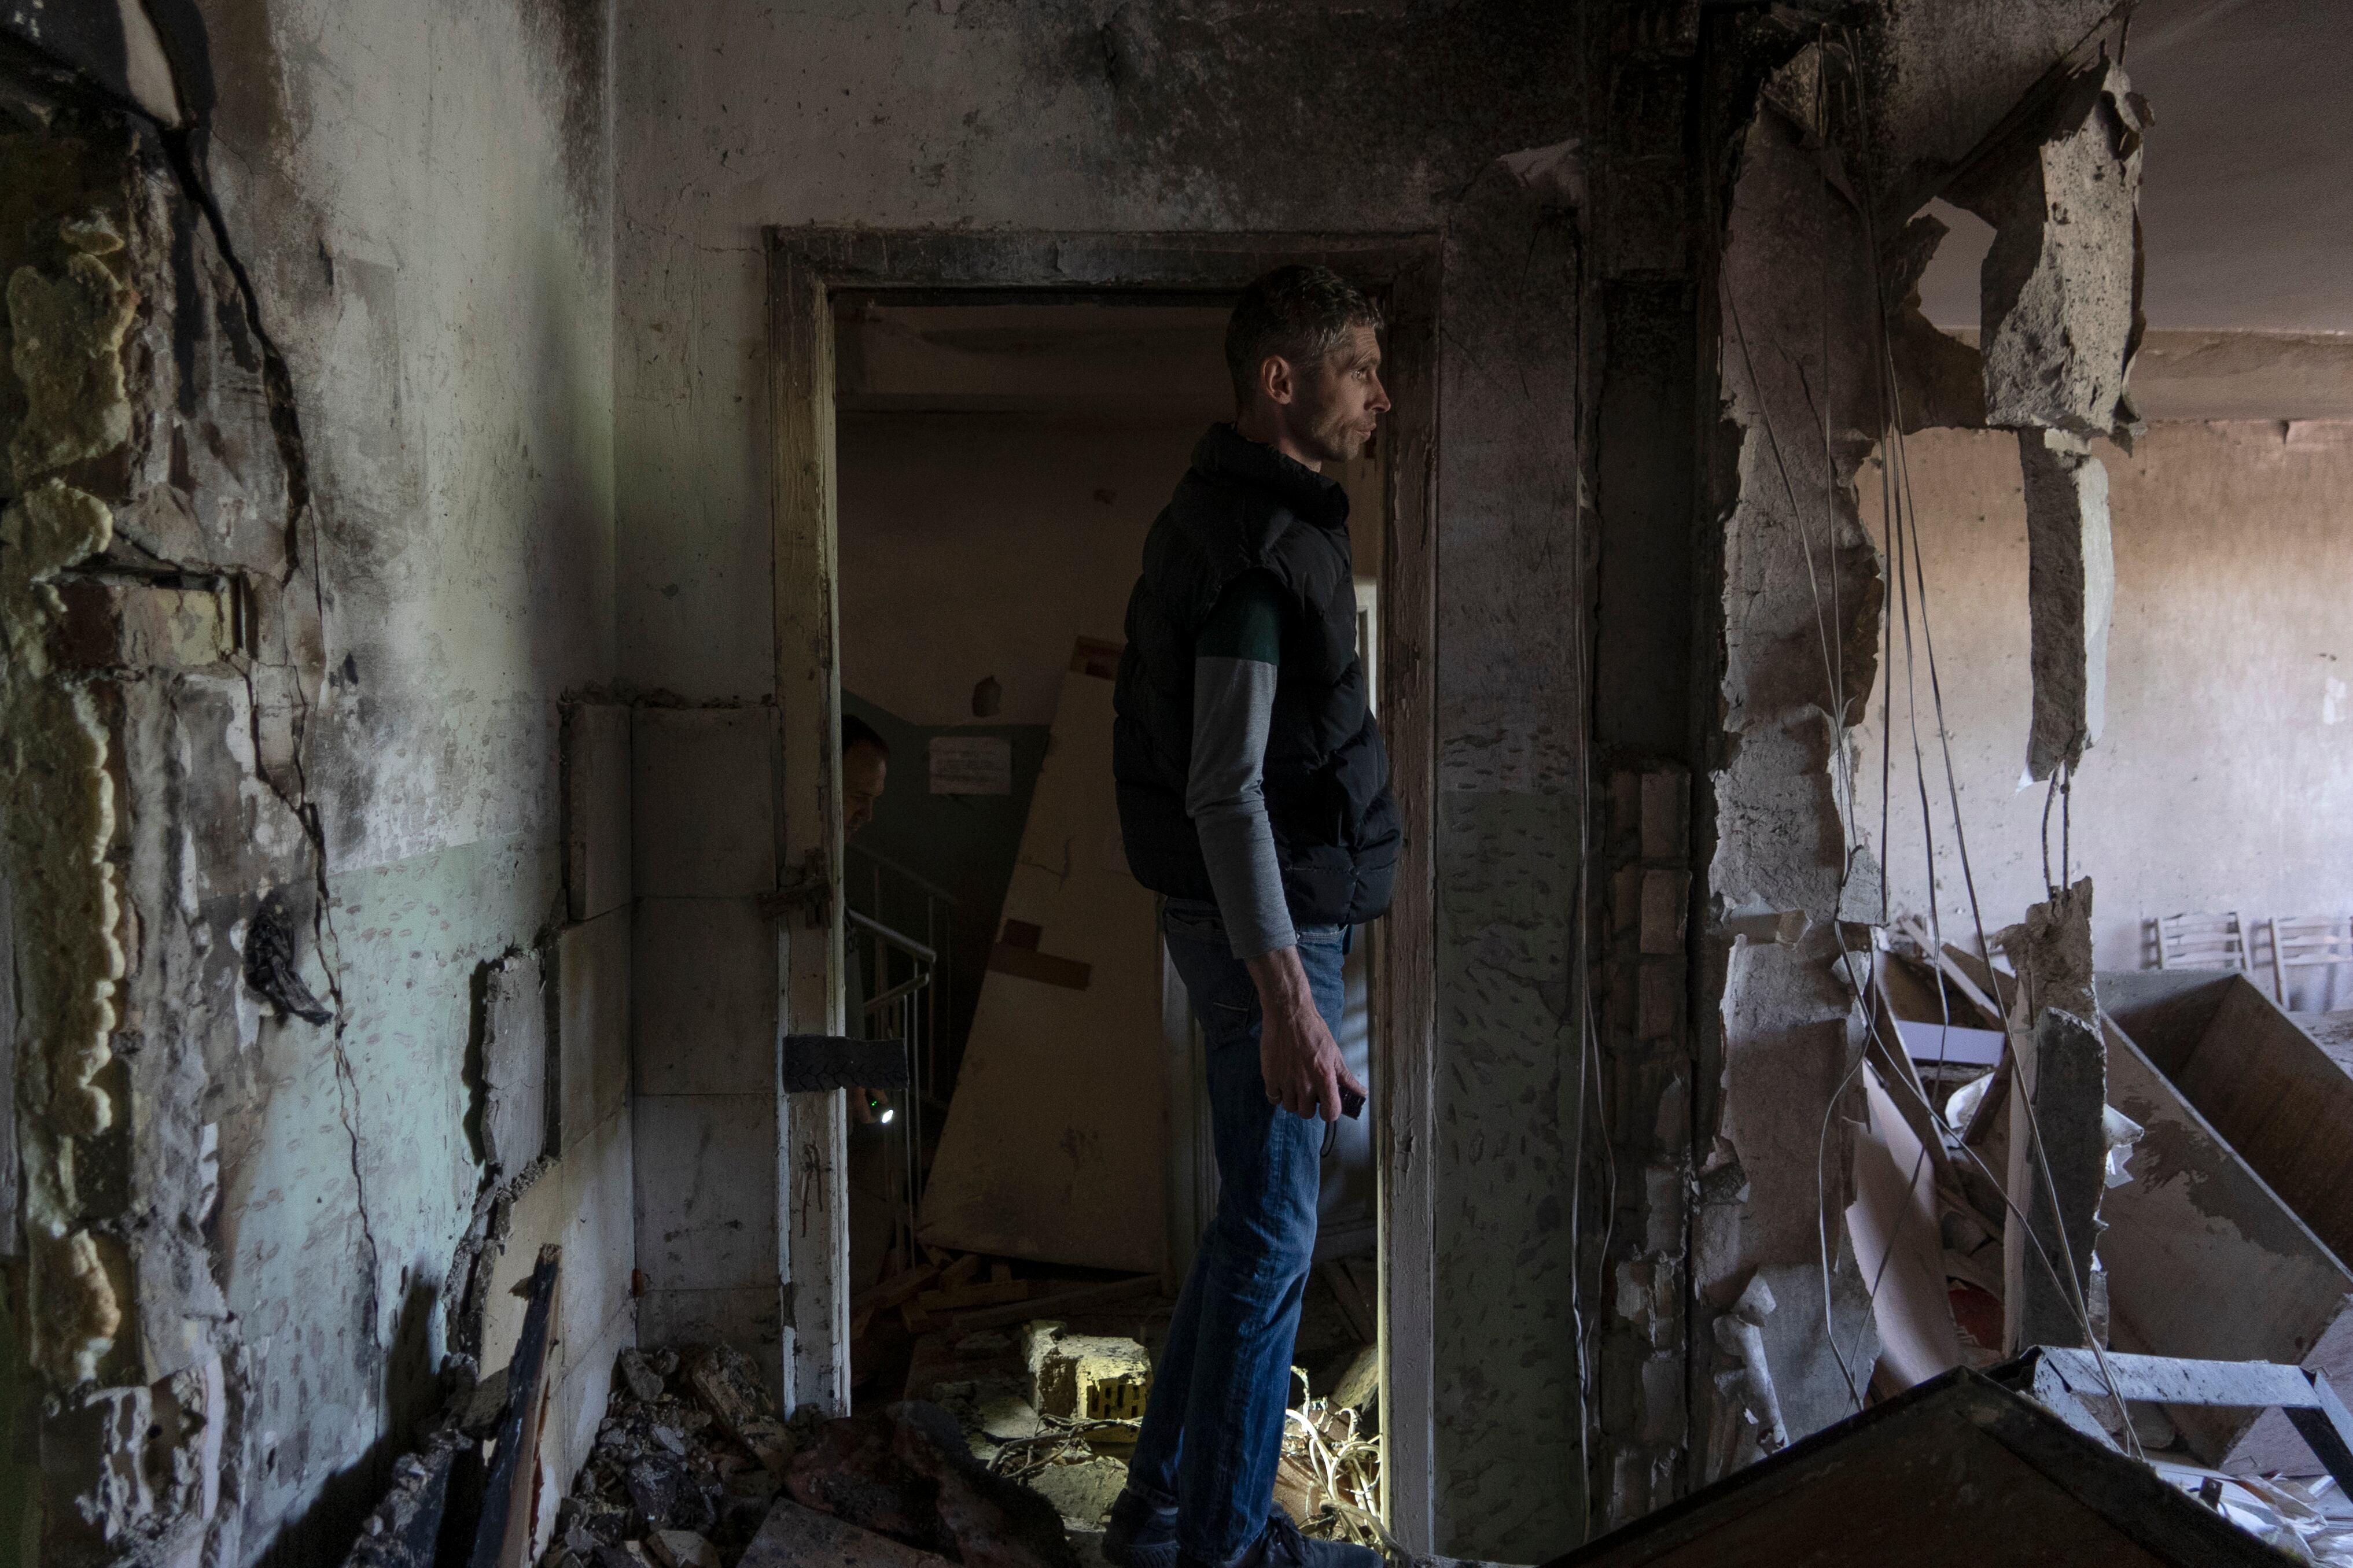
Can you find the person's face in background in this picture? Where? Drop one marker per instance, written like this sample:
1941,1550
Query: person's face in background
864,772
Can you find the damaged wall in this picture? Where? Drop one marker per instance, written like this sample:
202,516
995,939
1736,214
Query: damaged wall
1087,115
1831,147
2218,781
316,580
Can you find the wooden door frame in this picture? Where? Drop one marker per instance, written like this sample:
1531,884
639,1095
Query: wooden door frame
807,267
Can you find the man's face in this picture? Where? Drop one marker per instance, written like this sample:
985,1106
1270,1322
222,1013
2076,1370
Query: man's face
864,772
1334,406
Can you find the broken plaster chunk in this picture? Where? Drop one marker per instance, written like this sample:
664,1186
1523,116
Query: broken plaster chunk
2060,289
2071,590
69,330
1085,1377
1740,1338
514,1062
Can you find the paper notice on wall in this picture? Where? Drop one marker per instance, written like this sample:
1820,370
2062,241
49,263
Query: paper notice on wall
972,765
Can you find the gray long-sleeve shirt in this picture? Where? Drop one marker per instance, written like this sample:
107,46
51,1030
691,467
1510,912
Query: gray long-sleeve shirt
1235,659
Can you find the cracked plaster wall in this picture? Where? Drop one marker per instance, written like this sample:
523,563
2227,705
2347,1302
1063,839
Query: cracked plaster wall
400,546
1085,115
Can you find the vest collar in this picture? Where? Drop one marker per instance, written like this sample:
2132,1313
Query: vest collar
1225,456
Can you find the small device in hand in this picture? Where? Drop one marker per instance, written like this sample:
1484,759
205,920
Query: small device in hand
1351,1103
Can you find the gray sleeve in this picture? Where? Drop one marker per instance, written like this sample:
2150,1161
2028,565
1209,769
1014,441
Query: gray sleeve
1233,700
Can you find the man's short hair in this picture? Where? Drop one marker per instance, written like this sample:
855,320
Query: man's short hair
857,731
1299,313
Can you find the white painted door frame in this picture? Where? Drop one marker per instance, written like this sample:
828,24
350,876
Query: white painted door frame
808,266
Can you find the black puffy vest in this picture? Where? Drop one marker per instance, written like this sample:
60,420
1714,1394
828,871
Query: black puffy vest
1243,507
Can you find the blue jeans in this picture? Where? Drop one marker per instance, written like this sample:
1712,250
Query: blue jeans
1213,1429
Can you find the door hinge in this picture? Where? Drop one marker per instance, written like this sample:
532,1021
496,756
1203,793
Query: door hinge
809,890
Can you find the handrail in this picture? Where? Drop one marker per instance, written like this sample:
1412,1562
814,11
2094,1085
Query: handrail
907,943
904,988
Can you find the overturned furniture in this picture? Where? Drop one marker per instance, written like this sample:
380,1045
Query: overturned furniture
2229,1243
1955,1473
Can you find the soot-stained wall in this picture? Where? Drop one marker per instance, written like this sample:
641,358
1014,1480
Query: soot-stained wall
316,535
1078,115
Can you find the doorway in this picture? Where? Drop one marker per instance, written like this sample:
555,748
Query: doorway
973,434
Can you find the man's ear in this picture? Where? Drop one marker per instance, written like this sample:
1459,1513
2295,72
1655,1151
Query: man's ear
1275,380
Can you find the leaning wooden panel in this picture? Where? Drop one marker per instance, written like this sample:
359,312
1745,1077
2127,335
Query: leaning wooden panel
2205,1261
2280,1100
1957,1473
811,1172
1053,1144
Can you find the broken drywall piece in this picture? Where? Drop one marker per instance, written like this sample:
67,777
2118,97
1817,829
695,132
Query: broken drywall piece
514,1062
2060,289
2057,1171
2070,590
1898,1246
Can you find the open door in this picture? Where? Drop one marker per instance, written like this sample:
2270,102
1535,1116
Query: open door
812,1183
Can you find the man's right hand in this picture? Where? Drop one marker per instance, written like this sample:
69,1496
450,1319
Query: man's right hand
1296,1053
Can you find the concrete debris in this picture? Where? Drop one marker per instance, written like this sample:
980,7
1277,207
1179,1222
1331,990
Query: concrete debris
1087,1377
2070,590
1749,1423
644,1382
2060,286
670,1461
724,1380
907,1472
2052,952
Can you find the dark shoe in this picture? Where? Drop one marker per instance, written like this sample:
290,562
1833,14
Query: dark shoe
1282,1546
1141,1534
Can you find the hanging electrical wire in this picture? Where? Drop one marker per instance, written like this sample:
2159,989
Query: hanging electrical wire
1905,578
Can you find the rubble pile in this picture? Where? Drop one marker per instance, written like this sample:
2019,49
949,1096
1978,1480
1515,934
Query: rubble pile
688,1461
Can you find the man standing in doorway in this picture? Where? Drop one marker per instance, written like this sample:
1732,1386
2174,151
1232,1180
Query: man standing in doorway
1253,794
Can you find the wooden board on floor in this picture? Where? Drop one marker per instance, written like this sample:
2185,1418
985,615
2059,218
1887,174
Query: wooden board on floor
1052,1148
